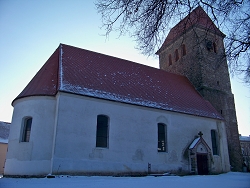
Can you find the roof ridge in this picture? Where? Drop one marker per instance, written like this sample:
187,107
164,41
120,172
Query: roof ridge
118,58
60,73
109,55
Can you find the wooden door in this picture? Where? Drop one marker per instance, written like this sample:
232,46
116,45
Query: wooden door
202,164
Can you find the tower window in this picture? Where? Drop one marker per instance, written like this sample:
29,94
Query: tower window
169,59
176,55
26,130
161,137
215,47
209,45
183,49
102,131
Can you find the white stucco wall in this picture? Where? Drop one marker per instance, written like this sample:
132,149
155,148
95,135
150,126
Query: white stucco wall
132,138
63,138
33,157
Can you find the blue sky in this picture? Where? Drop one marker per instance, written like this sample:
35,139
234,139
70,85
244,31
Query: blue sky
30,31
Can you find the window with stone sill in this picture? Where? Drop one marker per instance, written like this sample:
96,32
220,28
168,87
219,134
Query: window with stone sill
161,137
26,129
102,131
214,138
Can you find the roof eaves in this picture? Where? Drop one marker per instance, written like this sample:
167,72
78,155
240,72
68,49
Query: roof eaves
140,102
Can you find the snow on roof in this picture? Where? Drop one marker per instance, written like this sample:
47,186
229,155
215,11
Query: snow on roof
194,143
244,138
4,132
83,72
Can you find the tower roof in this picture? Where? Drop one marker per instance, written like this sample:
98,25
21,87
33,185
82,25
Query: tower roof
82,72
197,18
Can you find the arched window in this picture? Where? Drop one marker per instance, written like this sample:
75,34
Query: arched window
211,46
26,129
214,139
176,55
169,59
161,137
102,131
183,49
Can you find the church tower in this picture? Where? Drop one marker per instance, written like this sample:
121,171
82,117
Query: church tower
195,48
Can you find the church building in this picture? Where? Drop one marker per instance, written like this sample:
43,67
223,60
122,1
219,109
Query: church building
86,113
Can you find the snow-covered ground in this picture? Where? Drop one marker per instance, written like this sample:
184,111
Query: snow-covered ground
229,180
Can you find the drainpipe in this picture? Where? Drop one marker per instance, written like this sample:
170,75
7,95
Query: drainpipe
55,132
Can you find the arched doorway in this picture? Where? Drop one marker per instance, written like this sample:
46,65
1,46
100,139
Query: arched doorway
199,156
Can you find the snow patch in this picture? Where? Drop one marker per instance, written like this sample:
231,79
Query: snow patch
194,143
4,141
228,180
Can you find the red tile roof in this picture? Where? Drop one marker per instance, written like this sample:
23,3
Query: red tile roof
197,18
45,82
92,74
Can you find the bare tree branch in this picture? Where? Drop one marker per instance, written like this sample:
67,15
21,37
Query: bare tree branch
147,21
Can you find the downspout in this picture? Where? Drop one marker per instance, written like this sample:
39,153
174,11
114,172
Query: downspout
55,133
